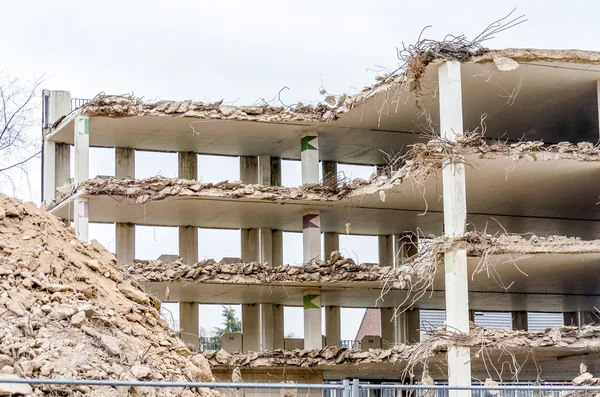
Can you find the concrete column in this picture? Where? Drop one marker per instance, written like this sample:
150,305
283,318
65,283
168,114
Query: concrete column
266,246
455,218
250,245
571,318
188,323
408,246
519,321
271,326
333,325
251,327
388,327
56,104
386,250
82,167
62,169
472,316
277,237
264,169
329,171
125,162
309,156
408,325
249,169
187,165
275,171
312,320
332,243
188,244
49,171
311,233
125,247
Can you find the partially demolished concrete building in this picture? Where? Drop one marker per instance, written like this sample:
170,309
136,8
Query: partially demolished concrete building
494,158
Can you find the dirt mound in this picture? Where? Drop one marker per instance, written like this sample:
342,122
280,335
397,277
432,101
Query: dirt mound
68,313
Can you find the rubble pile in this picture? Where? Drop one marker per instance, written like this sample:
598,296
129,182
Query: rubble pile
439,341
129,106
336,269
68,313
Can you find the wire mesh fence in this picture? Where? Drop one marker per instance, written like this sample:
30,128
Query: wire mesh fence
209,343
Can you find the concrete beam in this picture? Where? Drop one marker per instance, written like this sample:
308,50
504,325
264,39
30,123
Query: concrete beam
188,323
519,321
251,328
125,163
125,246
187,165
82,170
250,245
312,320
333,326
388,327
309,156
272,334
275,171
455,219
329,172
332,243
311,235
386,250
188,244
249,169
277,239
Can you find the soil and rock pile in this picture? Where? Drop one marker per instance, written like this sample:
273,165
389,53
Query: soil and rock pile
68,313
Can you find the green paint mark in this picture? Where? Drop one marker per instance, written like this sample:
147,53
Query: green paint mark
86,126
305,143
308,302
448,264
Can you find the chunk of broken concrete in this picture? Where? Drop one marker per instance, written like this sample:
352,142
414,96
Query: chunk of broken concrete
12,389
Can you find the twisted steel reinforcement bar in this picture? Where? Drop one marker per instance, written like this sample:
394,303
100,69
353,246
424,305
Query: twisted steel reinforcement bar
317,386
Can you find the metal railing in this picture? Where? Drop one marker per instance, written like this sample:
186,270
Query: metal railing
344,388
209,343
350,344
78,102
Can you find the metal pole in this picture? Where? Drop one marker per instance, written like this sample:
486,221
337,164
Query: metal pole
355,390
346,383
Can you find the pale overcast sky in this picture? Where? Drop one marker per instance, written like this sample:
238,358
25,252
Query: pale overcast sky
242,51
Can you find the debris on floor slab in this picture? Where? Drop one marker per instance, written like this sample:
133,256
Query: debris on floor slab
68,313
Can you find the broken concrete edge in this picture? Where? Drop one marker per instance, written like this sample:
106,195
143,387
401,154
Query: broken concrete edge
336,269
410,355
406,77
415,166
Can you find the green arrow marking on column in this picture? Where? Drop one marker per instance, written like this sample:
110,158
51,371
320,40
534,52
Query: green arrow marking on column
305,143
312,301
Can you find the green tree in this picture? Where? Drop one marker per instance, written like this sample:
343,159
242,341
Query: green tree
230,322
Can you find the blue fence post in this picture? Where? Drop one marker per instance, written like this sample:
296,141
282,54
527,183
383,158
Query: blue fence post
346,392
355,390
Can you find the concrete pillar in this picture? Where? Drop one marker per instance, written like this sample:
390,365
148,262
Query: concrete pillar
571,318
249,169
49,171
519,321
333,325
332,243
275,171
386,250
125,162
251,327
56,104
329,171
188,323
408,246
82,169
472,316
266,246
408,325
271,326
62,168
250,245
188,244
311,233
277,238
125,246
312,320
264,169
309,156
388,327
187,165
455,219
